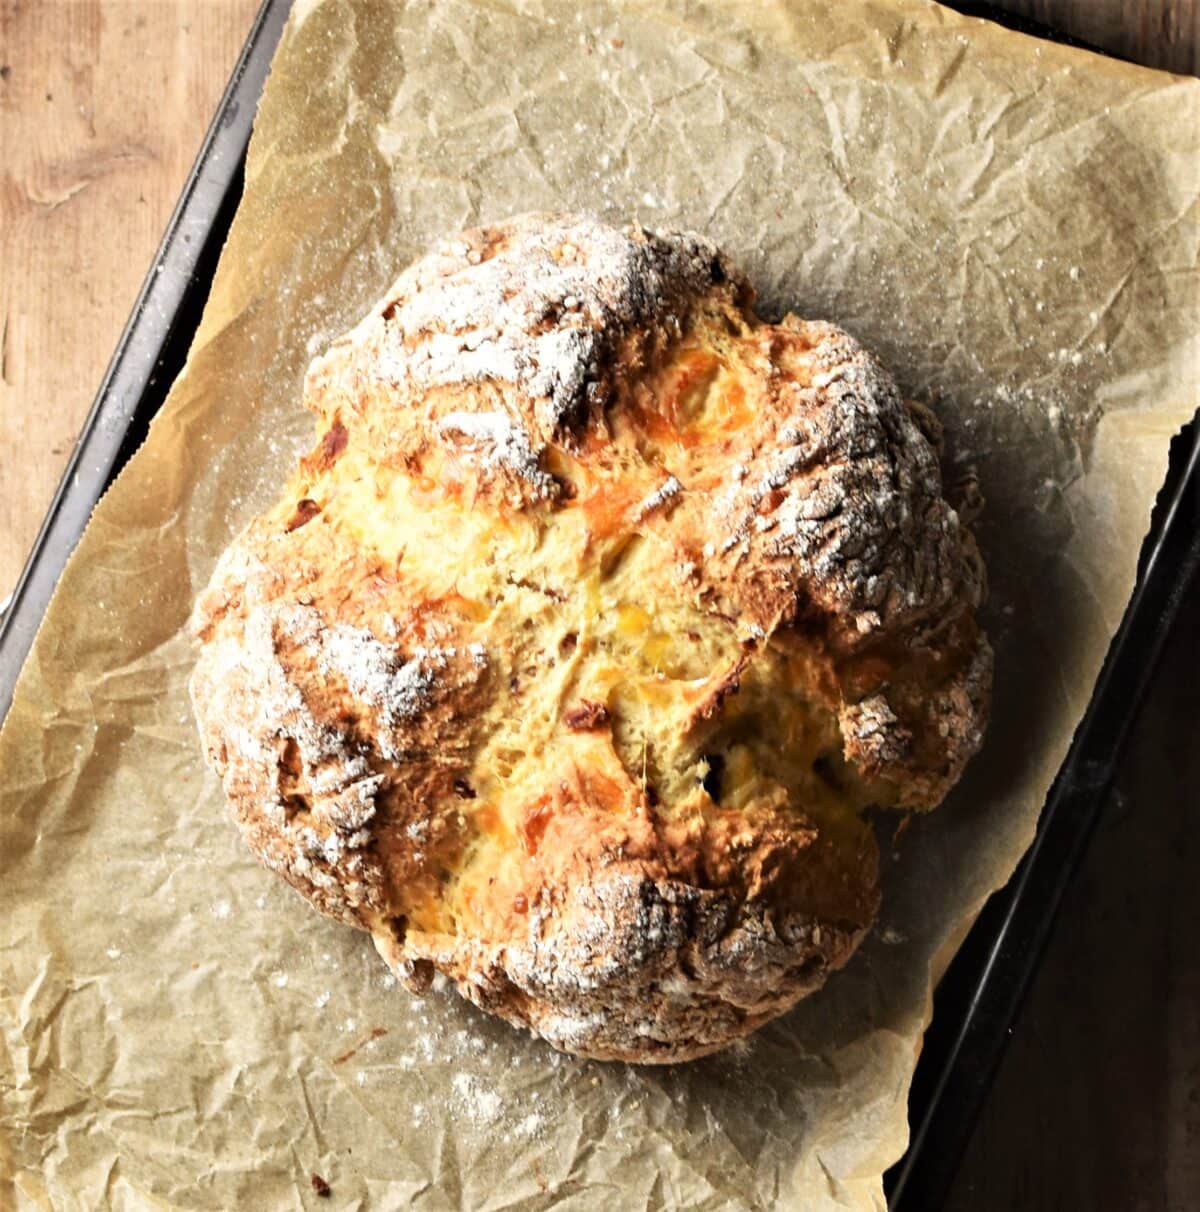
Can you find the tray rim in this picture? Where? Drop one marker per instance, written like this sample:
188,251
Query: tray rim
137,380
135,369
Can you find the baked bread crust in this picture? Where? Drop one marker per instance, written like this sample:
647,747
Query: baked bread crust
573,653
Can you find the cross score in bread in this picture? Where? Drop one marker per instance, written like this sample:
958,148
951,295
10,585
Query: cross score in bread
572,655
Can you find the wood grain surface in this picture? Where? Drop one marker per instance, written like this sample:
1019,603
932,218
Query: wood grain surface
103,105
1097,1102
1157,33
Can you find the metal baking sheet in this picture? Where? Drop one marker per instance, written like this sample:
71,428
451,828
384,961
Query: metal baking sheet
979,998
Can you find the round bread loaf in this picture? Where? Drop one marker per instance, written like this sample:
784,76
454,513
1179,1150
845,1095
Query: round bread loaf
574,652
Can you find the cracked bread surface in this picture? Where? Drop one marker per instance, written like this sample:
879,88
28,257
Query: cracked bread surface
574,652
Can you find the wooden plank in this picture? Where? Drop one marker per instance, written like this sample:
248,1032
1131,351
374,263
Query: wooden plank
1097,1102
1157,33
103,105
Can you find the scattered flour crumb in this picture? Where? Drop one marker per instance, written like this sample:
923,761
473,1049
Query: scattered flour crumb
508,442
531,1125
475,1100
671,487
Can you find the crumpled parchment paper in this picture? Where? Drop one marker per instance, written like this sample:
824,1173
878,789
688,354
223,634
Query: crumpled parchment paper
1010,224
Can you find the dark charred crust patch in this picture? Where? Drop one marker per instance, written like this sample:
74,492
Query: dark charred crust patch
332,445
304,513
586,716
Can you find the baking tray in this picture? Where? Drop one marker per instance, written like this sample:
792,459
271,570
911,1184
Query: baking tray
979,997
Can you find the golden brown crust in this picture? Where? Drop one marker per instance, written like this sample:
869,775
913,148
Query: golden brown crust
573,652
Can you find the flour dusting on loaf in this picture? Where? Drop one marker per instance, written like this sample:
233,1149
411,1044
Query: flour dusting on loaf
574,654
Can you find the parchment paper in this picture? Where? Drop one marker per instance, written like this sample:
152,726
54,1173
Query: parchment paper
1012,225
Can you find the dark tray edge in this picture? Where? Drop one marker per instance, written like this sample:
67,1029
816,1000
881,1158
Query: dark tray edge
140,372
985,985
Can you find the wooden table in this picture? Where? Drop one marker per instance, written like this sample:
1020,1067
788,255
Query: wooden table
103,104
1158,33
